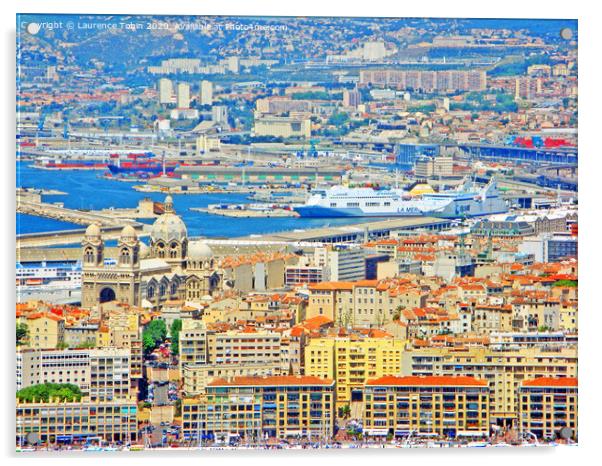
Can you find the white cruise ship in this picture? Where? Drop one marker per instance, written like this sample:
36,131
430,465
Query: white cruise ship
462,202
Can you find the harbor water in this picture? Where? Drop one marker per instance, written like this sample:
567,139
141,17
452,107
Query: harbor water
86,189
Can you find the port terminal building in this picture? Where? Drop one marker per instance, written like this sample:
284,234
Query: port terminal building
261,175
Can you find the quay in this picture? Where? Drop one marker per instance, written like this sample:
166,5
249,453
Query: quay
64,214
241,211
64,237
357,232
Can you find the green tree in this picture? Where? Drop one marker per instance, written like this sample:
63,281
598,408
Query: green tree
338,119
174,333
153,335
148,343
22,333
47,391
571,283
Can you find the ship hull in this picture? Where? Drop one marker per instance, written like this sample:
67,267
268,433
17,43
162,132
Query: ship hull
326,212
115,170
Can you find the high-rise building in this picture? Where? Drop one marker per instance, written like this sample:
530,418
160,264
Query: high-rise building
527,88
183,100
550,247
165,91
206,93
351,98
219,114
342,263
434,167
233,64
203,352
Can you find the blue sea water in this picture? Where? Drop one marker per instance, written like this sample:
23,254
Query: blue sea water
32,224
86,190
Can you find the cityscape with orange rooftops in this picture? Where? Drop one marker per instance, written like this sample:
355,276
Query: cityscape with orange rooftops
295,233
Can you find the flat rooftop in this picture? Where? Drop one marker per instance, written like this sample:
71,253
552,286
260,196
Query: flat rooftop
380,228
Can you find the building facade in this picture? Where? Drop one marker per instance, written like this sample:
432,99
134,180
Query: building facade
441,407
57,423
254,409
547,406
351,362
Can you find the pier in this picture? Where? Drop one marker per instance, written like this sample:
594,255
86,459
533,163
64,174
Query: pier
64,237
64,214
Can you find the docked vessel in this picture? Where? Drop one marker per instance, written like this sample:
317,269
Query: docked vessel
462,202
45,163
58,273
140,164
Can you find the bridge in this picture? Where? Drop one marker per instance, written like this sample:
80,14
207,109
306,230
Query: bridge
564,156
539,155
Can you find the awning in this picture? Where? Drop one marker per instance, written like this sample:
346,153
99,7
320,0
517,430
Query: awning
464,433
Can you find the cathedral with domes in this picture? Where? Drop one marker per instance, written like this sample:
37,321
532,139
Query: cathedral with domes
171,268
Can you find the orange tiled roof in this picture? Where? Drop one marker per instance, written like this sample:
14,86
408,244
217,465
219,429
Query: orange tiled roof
428,381
316,322
331,286
551,382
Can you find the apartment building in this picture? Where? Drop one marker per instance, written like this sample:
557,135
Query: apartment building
166,91
341,262
45,330
193,343
285,127
254,409
446,81
434,167
183,96
57,423
196,377
361,303
101,374
487,319
547,406
206,93
503,370
436,406
351,361
244,347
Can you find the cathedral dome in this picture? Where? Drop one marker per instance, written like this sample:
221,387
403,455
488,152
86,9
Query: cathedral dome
93,230
199,250
129,233
169,226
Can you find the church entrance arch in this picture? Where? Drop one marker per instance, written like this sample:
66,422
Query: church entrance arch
107,294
